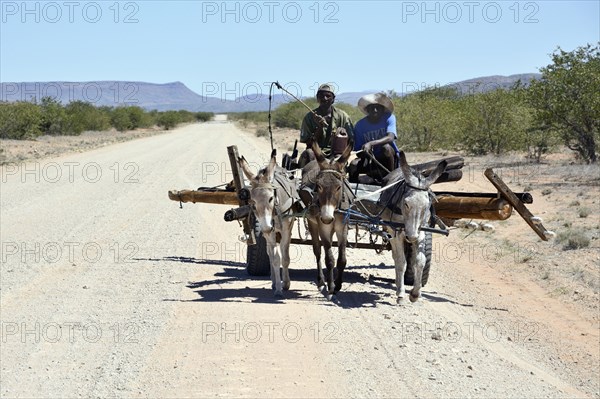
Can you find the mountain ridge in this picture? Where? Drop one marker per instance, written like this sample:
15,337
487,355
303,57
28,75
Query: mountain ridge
176,95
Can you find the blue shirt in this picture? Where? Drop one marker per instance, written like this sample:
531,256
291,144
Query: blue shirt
365,131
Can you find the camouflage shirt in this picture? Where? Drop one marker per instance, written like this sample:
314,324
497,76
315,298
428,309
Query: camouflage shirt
310,126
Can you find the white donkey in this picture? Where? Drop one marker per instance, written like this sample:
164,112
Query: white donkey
409,203
272,197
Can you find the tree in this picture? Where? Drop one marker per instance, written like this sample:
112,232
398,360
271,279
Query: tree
426,120
493,122
567,98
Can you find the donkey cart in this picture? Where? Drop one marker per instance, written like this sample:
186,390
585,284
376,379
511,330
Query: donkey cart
448,208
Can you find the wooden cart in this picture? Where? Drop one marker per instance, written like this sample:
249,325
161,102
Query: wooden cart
450,207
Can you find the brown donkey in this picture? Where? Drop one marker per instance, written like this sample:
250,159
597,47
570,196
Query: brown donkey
327,178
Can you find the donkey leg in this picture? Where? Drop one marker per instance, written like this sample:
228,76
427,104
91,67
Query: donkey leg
329,263
275,261
326,235
313,227
286,237
399,257
418,260
341,232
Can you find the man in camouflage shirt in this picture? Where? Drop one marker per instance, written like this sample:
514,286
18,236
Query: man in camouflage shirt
312,128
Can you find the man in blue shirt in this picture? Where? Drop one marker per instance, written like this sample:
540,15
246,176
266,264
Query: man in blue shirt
375,133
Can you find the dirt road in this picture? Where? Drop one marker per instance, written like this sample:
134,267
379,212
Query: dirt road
109,290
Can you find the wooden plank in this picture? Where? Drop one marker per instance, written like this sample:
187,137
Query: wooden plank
220,197
516,203
238,182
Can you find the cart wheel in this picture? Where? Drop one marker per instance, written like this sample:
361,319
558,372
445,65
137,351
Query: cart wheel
257,259
409,278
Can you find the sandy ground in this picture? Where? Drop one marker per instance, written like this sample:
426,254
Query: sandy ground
109,289
14,151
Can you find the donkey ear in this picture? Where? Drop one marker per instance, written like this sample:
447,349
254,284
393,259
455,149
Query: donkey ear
318,153
246,168
437,172
270,169
409,177
344,157
274,153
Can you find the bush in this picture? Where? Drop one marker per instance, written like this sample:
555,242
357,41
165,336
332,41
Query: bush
290,115
20,120
244,117
137,117
167,119
25,120
83,116
573,239
119,119
55,120
204,116
584,212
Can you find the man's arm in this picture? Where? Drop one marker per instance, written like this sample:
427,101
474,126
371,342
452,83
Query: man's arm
384,140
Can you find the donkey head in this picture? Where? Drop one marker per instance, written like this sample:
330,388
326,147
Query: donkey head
416,201
262,192
329,182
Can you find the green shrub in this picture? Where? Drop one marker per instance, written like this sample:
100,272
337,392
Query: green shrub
20,120
168,119
262,132
290,115
55,120
119,119
204,116
83,116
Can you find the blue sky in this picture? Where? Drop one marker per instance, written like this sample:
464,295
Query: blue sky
234,48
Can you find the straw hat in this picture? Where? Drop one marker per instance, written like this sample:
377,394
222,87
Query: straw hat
377,98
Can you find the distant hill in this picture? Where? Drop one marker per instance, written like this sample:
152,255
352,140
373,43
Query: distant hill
176,95
487,83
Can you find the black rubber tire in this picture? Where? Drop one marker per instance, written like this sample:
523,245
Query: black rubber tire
257,259
409,278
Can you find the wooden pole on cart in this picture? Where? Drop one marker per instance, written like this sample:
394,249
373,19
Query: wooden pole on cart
238,182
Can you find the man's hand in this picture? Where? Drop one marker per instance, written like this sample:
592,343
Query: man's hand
341,131
320,120
368,147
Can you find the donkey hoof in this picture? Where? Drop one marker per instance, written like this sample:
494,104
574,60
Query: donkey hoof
400,300
286,286
413,298
331,297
